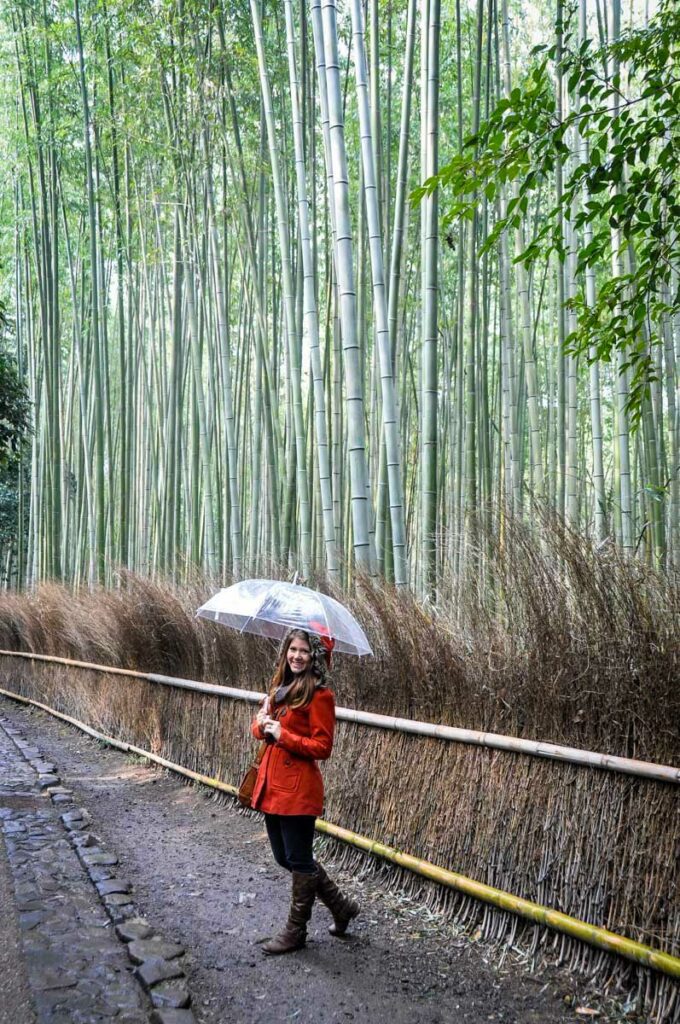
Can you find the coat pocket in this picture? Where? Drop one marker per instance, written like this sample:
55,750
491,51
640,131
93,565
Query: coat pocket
286,771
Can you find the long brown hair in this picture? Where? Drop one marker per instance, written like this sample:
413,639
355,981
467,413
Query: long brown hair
302,692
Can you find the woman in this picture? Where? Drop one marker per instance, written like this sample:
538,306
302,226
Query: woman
297,720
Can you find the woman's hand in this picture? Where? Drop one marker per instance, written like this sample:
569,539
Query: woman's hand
263,714
271,727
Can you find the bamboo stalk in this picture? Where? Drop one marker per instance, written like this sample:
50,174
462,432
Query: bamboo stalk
591,934
496,741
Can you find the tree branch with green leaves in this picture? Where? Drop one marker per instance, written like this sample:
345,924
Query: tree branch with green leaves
627,187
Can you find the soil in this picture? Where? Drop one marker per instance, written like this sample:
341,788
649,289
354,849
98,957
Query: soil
203,875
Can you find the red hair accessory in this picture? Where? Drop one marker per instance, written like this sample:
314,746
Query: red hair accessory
325,639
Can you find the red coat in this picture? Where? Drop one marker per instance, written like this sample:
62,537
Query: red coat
289,780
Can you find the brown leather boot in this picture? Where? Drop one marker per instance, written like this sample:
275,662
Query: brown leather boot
341,907
294,935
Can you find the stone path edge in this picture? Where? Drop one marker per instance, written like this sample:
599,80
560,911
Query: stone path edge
158,963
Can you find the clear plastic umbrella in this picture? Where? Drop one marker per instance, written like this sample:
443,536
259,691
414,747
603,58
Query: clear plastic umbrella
272,607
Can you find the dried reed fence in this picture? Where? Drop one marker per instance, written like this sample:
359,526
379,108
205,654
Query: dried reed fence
557,643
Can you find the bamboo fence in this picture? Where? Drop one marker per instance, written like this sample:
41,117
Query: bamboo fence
506,818
598,937
496,741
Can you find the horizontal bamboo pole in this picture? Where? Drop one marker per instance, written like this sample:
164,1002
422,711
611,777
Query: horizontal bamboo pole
493,740
591,934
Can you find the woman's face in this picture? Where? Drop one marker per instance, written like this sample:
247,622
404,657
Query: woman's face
299,655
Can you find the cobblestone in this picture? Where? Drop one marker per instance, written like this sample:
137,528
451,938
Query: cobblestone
84,839
113,885
144,949
171,994
118,902
155,970
45,781
100,874
173,1017
77,969
91,857
135,929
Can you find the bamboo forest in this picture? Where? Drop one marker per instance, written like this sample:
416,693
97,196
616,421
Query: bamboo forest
336,287
339,365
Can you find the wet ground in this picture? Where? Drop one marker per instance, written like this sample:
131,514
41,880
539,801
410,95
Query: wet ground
202,874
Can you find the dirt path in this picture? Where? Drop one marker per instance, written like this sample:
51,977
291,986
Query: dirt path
203,874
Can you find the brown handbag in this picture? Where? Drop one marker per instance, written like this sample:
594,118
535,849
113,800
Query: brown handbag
245,790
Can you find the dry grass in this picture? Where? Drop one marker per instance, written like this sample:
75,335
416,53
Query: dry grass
556,642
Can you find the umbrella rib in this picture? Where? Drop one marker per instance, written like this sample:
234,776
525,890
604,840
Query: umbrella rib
256,611
338,641
325,615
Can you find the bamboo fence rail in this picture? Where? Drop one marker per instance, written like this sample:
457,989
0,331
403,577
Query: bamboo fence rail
594,935
496,741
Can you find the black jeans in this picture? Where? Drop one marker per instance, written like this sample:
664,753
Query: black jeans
291,837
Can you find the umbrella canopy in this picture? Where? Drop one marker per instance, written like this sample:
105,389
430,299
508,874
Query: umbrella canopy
272,607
